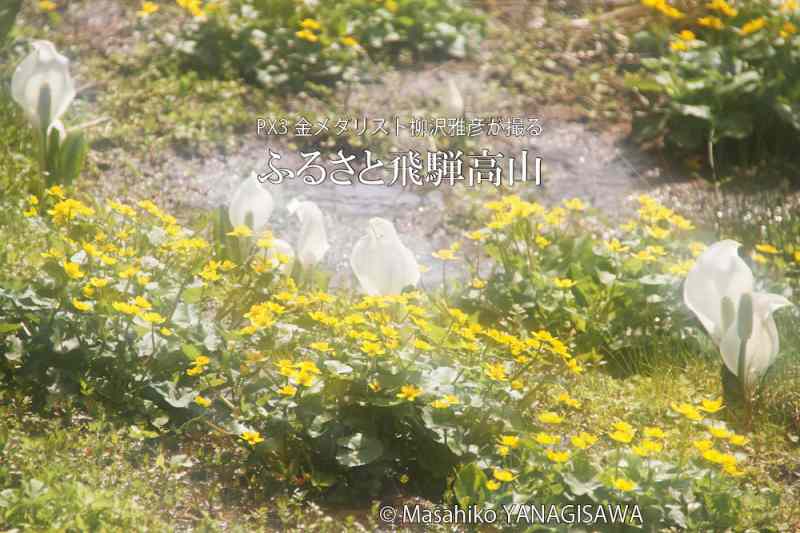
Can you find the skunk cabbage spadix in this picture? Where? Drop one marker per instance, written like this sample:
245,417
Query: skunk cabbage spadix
714,291
380,261
763,345
313,241
250,202
43,71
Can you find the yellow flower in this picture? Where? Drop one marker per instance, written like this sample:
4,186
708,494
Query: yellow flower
502,475
404,479
478,283
47,5
165,332
446,254
202,401
738,440
541,242
195,370
767,249
558,457
615,246
718,457
347,40
574,204
719,432
647,448
753,26
201,360
420,344
252,437
787,30
68,209
565,398
732,470
287,390
710,22
240,231
307,35
323,347
549,417
687,35
503,450
703,445
546,439
583,440
98,283
789,5
310,24
73,270
678,46
654,433
476,235
147,9
492,485
563,283
711,406
687,410
391,6
409,392
657,232
723,7
153,318
509,440
624,427
624,485
496,372
81,306
372,349
621,436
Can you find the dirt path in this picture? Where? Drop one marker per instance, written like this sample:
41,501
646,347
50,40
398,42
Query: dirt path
576,162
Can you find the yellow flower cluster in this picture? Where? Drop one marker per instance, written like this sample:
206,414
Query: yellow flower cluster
663,7
192,6
302,373
723,7
308,27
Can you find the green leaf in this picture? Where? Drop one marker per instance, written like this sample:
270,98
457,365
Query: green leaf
744,82
72,154
174,396
469,486
698,111
734,125
358,449
8,14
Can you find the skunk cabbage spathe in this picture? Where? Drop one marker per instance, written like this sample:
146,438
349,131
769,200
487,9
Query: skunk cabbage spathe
715,289
312,244
381,262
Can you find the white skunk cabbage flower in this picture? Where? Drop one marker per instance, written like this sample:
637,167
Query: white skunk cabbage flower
455,104
43,69
713,292
313,241
381,262
250,200
718,272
